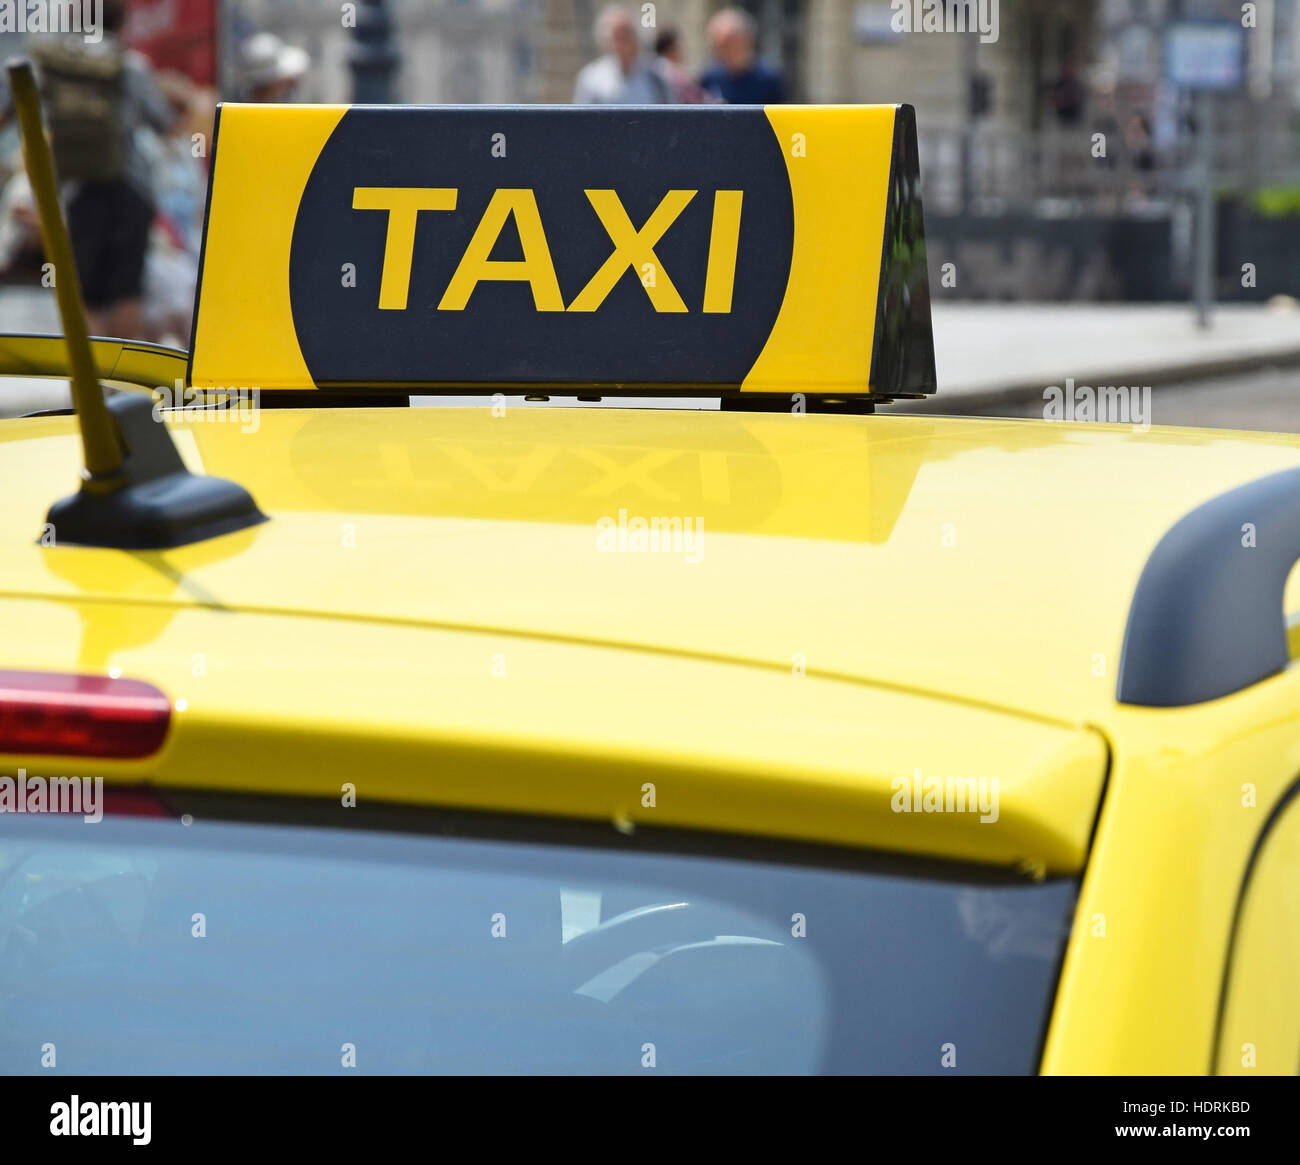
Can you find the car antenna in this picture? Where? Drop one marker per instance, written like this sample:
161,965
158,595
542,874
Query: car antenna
136,493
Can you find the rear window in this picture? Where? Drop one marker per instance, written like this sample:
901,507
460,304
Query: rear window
420,942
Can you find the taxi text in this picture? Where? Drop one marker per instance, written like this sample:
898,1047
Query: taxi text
633,248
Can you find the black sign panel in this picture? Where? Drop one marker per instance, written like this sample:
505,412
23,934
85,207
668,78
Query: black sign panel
697,219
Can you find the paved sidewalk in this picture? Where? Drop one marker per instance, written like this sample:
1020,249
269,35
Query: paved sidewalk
990,354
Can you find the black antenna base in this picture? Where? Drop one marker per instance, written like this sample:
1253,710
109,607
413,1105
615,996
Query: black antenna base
156,503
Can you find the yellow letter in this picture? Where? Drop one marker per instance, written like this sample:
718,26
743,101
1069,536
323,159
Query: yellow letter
403,204
723,240
633,248
535,268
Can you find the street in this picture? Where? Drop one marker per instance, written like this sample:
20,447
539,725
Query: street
1266,400
979,347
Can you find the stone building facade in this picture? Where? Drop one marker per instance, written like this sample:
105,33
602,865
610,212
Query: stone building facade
966,88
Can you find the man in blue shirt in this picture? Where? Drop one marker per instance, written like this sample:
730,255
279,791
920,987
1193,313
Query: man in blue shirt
737,76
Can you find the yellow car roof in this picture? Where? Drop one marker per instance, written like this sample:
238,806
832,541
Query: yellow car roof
991,562
894,632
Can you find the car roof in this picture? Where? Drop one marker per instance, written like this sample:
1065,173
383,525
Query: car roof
821,625
987,561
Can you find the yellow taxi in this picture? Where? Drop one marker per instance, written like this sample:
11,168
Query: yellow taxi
787,737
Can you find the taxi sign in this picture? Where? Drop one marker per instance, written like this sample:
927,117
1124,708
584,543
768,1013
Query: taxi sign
665,250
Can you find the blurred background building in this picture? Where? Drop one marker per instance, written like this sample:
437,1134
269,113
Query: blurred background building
1016,193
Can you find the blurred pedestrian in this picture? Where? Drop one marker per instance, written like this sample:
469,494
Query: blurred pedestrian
269,70
737,75
669,55
180,178
623,75
22,250
180,188
1067,95
97,96
1138,146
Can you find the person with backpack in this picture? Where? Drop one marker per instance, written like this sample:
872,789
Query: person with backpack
97,96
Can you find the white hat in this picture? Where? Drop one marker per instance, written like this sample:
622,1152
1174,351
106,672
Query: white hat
265,59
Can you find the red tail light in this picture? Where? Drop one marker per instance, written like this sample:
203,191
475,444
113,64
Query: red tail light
45,713
133,801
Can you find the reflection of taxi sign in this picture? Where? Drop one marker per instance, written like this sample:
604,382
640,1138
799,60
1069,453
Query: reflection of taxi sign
773,250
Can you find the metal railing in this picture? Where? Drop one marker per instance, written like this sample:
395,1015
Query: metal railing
987,170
